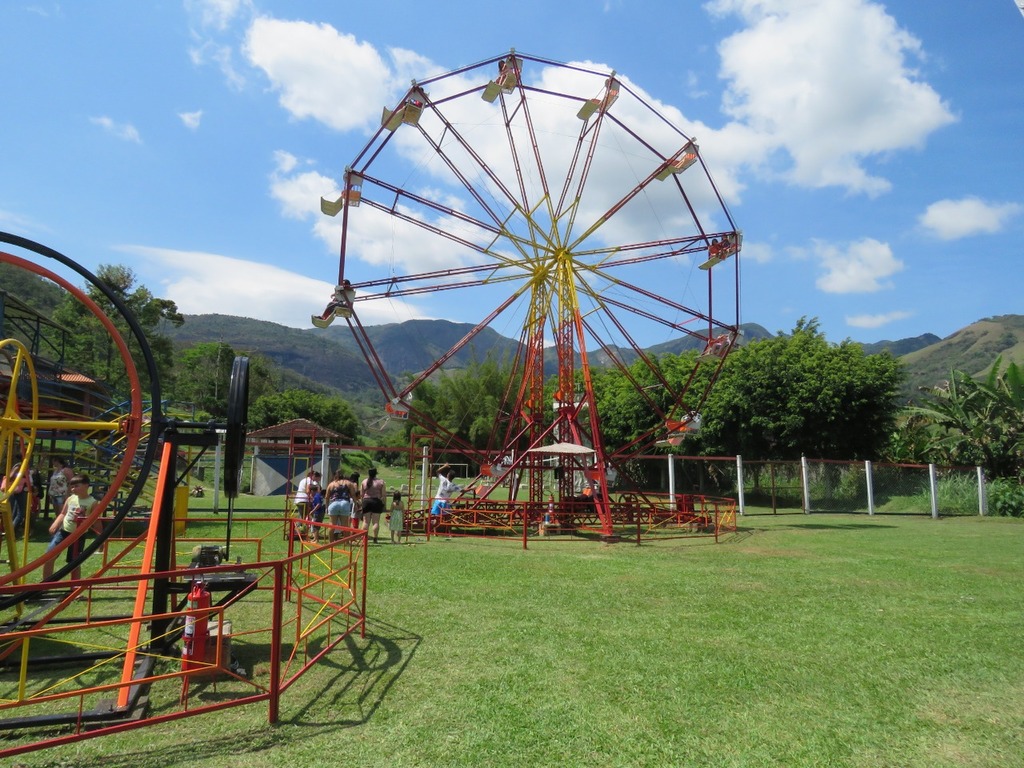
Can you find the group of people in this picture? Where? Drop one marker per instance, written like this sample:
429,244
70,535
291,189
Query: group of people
723,249
28,493
70,497
347,502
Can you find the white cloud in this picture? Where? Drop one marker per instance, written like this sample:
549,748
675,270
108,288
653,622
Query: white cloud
862,267
298,192
212,19
876,321
829,82
759,253
39,10
14,220
203,283
693,86
191,120
320,73
216,14
221,55
123,131
953,219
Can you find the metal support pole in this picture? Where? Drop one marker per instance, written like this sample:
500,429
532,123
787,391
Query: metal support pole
869,479
217,471
933,484
739,484
671,480
277,614
982,496
424,479
252,469
805,478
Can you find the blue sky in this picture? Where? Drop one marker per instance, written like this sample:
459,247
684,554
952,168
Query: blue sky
870,153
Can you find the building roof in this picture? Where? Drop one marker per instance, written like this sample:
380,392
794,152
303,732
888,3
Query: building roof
296,428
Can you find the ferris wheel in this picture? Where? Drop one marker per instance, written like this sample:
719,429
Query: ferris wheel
563,209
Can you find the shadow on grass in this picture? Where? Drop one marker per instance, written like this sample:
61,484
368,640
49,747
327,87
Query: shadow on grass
360,678
356,676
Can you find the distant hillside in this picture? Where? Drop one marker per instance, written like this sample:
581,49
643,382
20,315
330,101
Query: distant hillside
40,294
332,358
902,346
972,349
299,352
412,346
748,332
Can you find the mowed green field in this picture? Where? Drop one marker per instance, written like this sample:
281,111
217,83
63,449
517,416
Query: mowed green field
800,641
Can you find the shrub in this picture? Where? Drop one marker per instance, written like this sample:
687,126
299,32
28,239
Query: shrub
1006,498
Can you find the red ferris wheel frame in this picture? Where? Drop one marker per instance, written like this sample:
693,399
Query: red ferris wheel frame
555,252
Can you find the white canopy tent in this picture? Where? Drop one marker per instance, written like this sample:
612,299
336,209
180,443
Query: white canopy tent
562,448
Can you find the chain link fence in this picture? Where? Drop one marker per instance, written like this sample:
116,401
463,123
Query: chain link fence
880,488
760,487
848,487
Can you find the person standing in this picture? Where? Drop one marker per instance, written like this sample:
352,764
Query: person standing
396,519
373,493
59,484
18,498
304,493
76,508
316,514
339,502
445,490
356,510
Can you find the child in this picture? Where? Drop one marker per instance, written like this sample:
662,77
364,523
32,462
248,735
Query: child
76,508
316,513
396,520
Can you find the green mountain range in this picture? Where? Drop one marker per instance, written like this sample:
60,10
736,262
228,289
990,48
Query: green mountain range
331,357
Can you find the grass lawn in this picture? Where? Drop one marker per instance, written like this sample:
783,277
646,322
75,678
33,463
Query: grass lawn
801,641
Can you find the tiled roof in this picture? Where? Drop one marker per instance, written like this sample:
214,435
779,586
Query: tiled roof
295,428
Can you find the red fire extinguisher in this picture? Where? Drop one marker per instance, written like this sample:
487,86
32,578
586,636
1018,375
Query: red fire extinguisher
193,647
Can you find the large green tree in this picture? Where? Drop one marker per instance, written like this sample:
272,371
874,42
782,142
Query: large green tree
203,377
90,347
37,292
624,401
331,412
466,402
795,395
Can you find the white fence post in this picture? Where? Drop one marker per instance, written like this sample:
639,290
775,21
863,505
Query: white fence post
805,478
871,487
982,497
424,477
216,473
934,483
739,483
252,469
671,480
